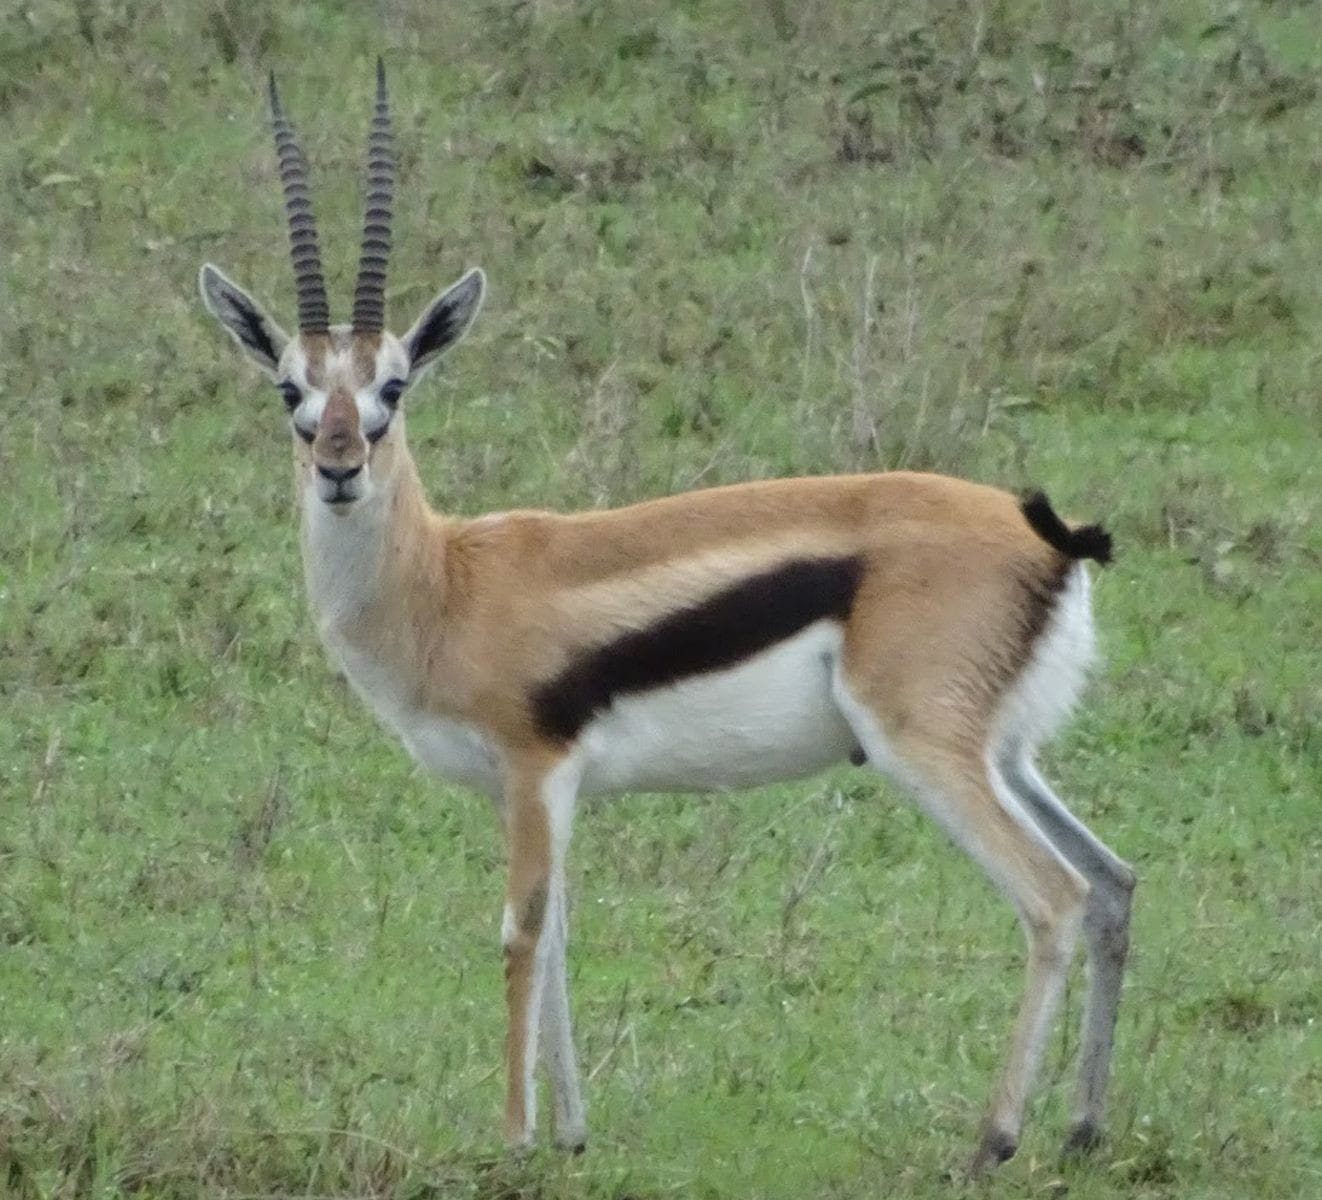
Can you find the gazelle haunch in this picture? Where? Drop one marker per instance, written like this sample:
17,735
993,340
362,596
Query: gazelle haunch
934,629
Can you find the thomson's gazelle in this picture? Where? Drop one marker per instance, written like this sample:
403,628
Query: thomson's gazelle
933,629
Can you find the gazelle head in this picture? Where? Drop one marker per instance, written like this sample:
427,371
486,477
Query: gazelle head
342,384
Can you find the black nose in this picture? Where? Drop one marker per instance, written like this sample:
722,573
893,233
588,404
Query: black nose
338,474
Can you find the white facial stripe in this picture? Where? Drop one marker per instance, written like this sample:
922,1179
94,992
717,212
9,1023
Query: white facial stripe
308,413
391,361
372,414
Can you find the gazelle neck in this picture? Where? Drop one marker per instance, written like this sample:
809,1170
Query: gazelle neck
356,563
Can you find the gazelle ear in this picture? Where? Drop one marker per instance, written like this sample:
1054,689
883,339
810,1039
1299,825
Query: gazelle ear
444,321
259,337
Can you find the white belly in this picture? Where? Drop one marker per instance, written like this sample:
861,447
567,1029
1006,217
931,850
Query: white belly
770,718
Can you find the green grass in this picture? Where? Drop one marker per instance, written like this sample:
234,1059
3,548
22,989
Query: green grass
246,948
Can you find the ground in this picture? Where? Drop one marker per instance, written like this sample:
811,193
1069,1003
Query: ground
246,948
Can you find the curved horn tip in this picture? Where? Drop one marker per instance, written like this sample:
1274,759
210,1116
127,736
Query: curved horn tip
305,255
369,298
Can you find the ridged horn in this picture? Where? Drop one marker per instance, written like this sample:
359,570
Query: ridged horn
369,293
304,253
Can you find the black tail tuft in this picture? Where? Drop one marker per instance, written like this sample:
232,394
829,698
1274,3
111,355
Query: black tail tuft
1087,541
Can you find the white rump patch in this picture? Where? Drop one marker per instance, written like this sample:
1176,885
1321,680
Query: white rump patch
1044,695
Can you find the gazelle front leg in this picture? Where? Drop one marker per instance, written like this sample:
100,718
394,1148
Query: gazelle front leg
539,798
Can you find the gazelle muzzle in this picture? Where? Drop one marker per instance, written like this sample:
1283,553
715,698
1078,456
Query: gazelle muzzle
339,451
337,485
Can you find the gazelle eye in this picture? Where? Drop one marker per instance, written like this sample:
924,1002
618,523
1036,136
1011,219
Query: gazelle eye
391,391
289,390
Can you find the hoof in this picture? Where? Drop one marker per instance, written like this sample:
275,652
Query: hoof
519,1147
995,1147
1083,1138
571,1136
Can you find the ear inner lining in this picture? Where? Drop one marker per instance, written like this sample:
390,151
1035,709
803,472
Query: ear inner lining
253,331
444,321
436,333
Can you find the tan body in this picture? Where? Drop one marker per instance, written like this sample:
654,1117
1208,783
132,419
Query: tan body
460,621
468,616
934,629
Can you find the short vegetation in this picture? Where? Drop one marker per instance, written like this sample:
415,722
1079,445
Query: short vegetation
247,949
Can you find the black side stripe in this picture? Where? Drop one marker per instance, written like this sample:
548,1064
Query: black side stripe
723,630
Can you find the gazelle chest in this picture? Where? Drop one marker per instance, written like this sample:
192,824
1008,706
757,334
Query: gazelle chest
342,565
452,749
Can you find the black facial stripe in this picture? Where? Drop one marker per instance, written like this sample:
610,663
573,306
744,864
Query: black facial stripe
723,630
375,435
308,435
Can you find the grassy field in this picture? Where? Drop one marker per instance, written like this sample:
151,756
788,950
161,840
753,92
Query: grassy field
247,949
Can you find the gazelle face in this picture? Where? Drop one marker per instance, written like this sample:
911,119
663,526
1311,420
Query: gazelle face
341,389
341,384
342,393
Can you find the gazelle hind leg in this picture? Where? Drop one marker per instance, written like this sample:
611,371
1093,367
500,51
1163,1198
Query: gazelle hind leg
1105,932
965,795
557,1031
